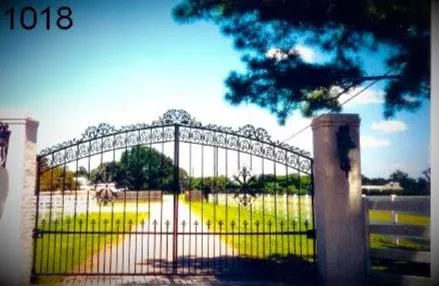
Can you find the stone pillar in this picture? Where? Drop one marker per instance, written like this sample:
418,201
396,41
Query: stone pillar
340,222
18,200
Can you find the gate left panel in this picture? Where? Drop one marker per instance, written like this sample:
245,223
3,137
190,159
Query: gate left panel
105,204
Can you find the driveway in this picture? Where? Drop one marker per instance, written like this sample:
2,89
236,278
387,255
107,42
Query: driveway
153,252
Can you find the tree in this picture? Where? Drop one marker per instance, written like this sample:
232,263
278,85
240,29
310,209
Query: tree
58,179
106,173
146,168
427,175
410,185
278,78
82,172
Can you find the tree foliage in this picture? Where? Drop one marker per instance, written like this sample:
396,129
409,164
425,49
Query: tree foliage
344,30
58,179
139,168
267,183
411,186
106,172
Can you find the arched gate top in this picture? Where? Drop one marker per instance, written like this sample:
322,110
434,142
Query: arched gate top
248,139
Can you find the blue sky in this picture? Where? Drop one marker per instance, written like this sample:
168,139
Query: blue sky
125,64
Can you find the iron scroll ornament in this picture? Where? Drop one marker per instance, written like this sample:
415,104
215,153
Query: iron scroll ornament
4,143
245,190
105,137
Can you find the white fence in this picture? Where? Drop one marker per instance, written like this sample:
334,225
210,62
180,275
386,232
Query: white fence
279,204
397,205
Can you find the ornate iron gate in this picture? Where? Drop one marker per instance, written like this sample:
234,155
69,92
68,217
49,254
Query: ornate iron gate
174,197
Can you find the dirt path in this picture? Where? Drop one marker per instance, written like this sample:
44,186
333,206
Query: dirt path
153,252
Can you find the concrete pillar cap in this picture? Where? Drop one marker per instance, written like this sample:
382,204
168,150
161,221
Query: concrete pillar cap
328,120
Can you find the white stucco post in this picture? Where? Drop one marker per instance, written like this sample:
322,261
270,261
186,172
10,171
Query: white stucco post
16,222
340,222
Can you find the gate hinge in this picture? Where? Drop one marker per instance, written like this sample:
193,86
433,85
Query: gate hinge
311,233
36,233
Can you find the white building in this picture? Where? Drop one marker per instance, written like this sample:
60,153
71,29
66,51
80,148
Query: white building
391,187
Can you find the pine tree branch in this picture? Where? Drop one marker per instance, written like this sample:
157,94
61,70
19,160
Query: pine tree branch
380,77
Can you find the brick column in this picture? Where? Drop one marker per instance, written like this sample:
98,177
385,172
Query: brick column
17,221
340,223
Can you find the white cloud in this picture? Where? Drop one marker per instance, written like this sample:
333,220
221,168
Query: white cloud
367,141
277,54
307,53
391,126
369,96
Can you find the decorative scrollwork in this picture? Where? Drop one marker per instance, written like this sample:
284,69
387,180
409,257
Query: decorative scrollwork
99,131
105,195
4,143
248,139
177,116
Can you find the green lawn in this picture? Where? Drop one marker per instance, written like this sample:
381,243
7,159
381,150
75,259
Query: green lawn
386,241
233,219
379,241
66,253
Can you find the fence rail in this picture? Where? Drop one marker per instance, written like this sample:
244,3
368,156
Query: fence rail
397,228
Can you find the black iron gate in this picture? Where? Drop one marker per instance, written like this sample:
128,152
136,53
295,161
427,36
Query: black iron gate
174,197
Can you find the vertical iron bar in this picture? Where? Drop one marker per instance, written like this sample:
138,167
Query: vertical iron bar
227,198
215,205
62,214
112,211
35,237
149,204
124,210
137,215
176,192
67,246
141,246
263,206
79,245
202,201
251,208
162,191
130,225
196,246
300,210
100,206
239,206
50,217
167,245
183,224
287,202
117,243
75,208
276,190
190,203
315,256
87,207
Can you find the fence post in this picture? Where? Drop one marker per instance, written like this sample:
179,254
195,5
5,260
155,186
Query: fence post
340,222
18,202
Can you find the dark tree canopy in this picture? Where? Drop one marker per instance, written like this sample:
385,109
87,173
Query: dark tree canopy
139,168
410,185
343,29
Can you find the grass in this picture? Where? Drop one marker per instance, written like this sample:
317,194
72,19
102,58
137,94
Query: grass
234,219
379,241
387,241
67,252
403,218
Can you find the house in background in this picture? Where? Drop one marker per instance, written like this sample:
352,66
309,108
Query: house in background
387,189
